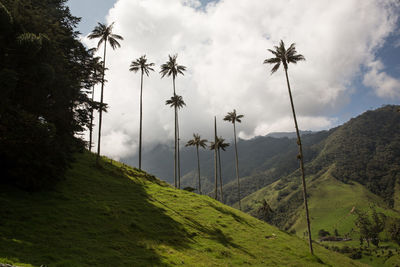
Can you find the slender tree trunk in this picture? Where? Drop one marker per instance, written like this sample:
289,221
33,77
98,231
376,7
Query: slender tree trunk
198,167
91,123
141,117
179,157
215,159
101,103
301,164
237,164
220,175
175,181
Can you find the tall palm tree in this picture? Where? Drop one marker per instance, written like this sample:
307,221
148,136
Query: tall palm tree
197,142
176,102
233,117
215,159
96,69
285,56
172,68
218,145
141,64
106,36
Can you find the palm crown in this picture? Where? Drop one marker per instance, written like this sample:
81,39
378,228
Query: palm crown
233,117
219,144
105,34
197,141
171,67
283,56
175,101
141,64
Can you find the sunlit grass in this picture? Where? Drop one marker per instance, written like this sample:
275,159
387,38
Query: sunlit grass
119,216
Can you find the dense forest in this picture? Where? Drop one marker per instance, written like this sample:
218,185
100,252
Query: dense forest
45,72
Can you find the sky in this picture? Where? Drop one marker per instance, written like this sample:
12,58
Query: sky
352,51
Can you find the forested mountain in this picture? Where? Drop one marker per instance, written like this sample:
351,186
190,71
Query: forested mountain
44,74
356,166
257,157
364,150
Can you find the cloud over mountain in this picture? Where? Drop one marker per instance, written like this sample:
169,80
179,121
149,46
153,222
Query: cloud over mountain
223,46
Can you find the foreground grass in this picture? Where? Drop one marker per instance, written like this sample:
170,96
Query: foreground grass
118,216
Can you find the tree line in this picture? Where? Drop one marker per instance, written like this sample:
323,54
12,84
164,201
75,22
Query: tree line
45,75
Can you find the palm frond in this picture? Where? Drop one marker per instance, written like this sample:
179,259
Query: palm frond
116,36
175,101
295,58
275,68
105,34
171,67
134,67
113,42
272,60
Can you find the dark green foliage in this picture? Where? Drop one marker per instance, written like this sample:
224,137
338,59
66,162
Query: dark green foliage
336,232
365,150
43,77
346,153
394,230
322,233
265,212
370,225
189,189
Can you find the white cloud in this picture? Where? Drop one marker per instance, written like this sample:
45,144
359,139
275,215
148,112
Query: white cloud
384,85
223,47
310,123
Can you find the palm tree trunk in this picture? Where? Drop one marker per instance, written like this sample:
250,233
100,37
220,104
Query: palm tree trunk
301,164
220,175
179,158
175,181
91,123
198,167
215,159
237,164
141,116
101,103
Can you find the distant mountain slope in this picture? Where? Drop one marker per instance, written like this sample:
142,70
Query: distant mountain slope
357,165
287,134
262,160
118,216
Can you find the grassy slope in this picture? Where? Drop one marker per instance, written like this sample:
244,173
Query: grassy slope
330,205
121,217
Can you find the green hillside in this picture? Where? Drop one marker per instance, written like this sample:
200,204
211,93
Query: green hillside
357,166
118,216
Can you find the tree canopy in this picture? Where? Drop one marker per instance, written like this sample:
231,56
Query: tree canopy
45,74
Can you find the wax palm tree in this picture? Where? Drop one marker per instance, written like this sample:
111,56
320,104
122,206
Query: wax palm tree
285,56
145,68
218,145
215,159
106,36
233,117
197,142
172,68
176,102
96,69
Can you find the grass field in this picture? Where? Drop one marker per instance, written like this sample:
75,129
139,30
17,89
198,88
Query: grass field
332,205
119,216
